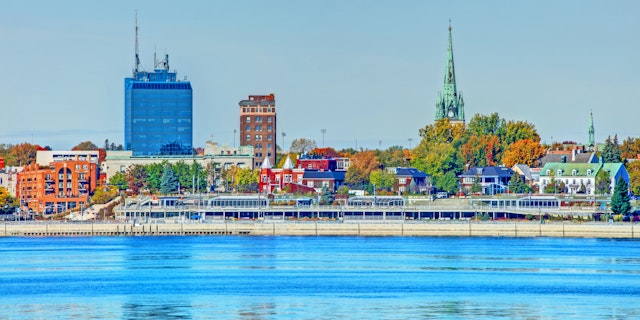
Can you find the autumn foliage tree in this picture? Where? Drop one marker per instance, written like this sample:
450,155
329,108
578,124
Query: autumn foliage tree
360,168
23,154
524,151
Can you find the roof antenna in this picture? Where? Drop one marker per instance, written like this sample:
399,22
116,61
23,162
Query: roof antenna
137,61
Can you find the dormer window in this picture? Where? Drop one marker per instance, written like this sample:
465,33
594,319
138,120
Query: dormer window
588,172
548,172
574,172
559,172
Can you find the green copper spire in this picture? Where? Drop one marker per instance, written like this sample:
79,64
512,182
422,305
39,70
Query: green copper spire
450,104
592,142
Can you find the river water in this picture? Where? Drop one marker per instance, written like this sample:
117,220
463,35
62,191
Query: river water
235,277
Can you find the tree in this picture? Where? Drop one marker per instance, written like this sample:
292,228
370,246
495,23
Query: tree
603,182
154,175
525,151
85,146
633,168
302,145
480,151
620,199
104,194
394,156
442,131
23,154
247,180
519,130
323,153
119,180
611,150
382,179
169,181
136,178
106,145
8,203
630,148
481,125
360,168
475,185
517,185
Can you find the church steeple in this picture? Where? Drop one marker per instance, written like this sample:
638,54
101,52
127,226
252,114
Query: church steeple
450,104
592,142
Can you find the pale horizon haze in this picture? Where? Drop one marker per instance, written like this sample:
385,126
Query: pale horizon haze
368,72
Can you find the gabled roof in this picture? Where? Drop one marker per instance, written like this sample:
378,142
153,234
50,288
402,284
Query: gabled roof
410,172
487,172
524,169
586,157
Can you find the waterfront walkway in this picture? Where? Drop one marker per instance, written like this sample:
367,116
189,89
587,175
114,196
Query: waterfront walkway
459,228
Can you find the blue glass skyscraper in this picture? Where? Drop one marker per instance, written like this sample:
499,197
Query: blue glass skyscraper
158,111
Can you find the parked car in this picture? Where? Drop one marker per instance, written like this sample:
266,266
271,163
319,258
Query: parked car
442,195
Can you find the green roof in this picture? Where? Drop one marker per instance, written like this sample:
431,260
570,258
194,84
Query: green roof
567,169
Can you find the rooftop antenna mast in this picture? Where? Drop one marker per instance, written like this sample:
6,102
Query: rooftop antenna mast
137,61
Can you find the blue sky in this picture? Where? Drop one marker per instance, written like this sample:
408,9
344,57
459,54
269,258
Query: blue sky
366,71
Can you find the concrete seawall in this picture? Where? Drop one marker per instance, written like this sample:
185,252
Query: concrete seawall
268,228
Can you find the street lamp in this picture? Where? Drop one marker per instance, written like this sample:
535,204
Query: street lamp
410,139
323,132
234,137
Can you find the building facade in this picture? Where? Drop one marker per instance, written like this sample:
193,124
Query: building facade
450,103
580,178
158,111
57,187
491,180
258,126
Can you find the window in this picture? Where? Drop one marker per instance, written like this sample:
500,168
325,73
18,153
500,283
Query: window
559,172
548,172
269,119
268,128
588,172
402,180
247,128
574,172
248,137
248,119
258,128
269,137
259,119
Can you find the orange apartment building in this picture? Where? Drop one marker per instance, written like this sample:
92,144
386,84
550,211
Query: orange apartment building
258,126
57,187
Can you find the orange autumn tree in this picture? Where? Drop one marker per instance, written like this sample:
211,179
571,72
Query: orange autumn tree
525,151
481,151
360,167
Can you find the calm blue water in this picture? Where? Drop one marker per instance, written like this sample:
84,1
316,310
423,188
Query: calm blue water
252,277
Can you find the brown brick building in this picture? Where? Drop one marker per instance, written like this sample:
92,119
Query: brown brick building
258,127
57,187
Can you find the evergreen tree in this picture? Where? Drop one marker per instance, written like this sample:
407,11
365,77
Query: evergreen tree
475,185
611,150
603,182
620,198
169,181
517,185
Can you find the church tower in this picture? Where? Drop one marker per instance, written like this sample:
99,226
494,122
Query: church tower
592,142
450,104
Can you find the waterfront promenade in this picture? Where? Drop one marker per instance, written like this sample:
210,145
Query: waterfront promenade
469,228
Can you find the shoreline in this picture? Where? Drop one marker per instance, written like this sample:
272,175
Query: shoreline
323,228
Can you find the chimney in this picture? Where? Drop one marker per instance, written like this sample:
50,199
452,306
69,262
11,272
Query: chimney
563,159
573,155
